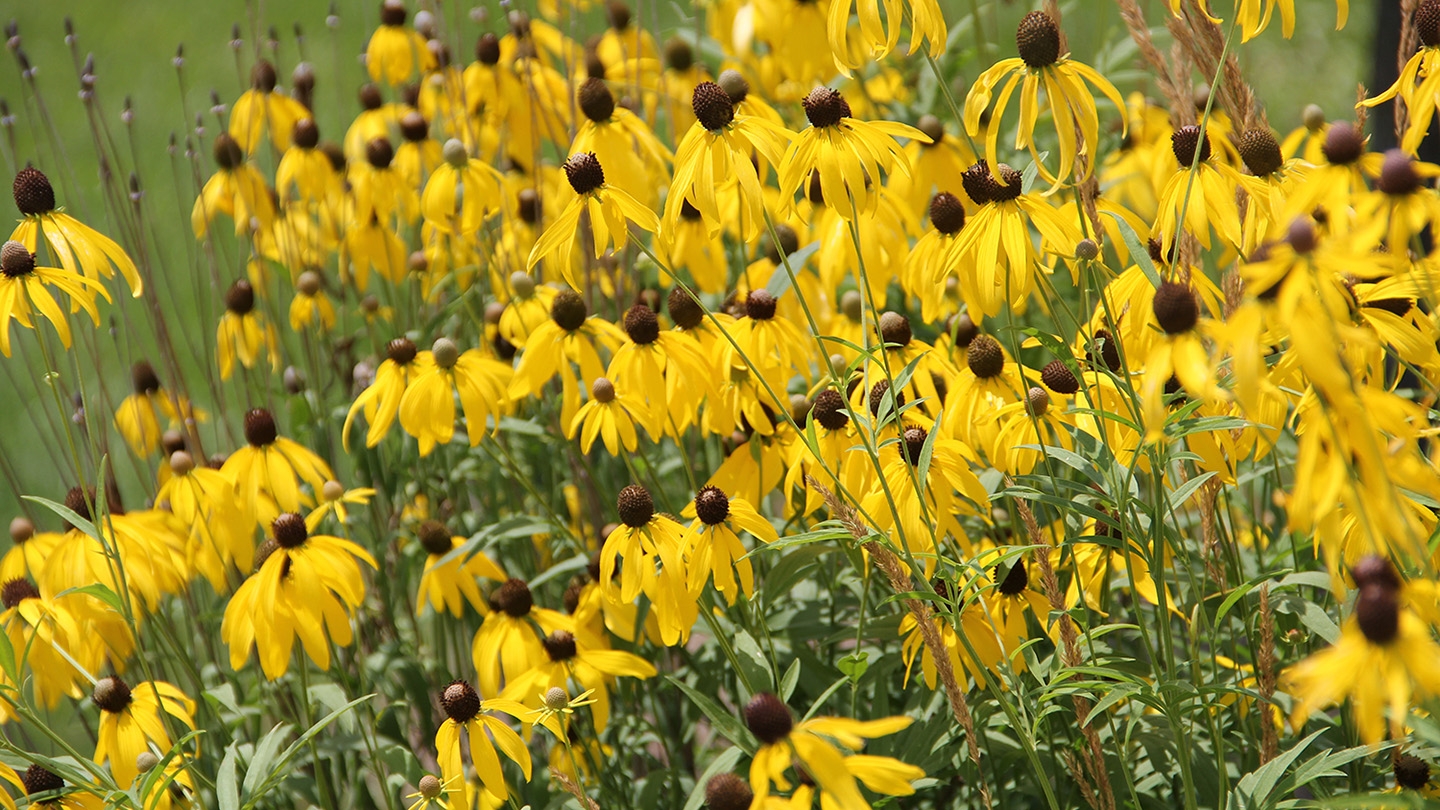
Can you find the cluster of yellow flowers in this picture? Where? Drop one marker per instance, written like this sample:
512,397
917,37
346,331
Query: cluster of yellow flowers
1274,297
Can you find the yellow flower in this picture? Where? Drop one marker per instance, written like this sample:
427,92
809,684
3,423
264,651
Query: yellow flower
611,211
716,150
23,293
608,416
138,415
37,780
79,248
461,192
1179,355
130,722
1040,65
621,142
243,332
262,111
443,582
311,307
28,550
507,644
1385,656
1418,84
466,712
333,498
45,638
431,793
305,173
569,337
305,585
427,409
394,51
268,471
381,193
221,532
565,660
665,368
418,154
1026,428
849,154
529,306
877,39
783,742
236,189
712,542
380,401
1204,195
642,538
925,508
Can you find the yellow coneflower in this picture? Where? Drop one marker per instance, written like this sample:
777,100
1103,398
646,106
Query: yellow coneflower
311,307
306,586
1041,65
784,743
1028,427
653,365
130,722
443,582
418,155
565,660
243,333
1385,655
269,469
608,416
1179,354
715,150
465,711
380,192
427,409
38,781
1418,84
712,543
79,248
846,152
928,265
569,337
203,499
261,111
28,550
138,415
508,642
1205,195
305,172
634,157
643,538
380,401
461,192
24,293
769,340
45,638
688,244
528,308
973,621
611,211
878,39
395,53
236,189
333,499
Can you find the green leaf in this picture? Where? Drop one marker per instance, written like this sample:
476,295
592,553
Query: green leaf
723,763
1140,254
787,683
1254,788
780,280
98,591
265,751
823,532
725,722
331,697
854,665
752,660
274,777
7,659
1185,490
68,515
227,792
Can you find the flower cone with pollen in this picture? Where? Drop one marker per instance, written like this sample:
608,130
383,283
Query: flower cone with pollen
643,539
483,733
1040,65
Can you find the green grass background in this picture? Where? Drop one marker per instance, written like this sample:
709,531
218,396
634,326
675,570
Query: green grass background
134,43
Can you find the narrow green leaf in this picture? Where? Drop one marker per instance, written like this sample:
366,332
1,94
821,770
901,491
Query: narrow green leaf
724,763
725,722
788,682
227,792
1140,254
264,755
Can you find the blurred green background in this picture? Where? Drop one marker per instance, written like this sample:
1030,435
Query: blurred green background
134,44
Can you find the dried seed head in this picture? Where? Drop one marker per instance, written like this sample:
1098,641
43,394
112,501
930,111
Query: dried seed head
434,538
1427,23
895,329
1038,39
1260,151
1016,580
726,791
1185,141
986,359
15,591
400,351
1411,772
912,444
460,701
947,213
595,100
1176,308
514,598
711,505
39,780
829,410
1397,174
379,153
1343,143
1037,401
635,506
289,530
560,646
735,85
305,135
825,107
445,352
713,106
685,311
33,193
262,76
260,429
1059,378
584,172
602,391
760,305
768,718
16,261
641,324
111,695
227,152
679,56
568,310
